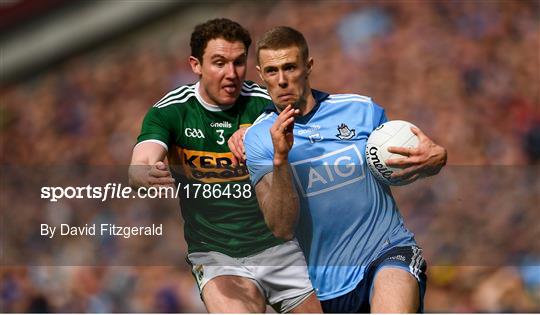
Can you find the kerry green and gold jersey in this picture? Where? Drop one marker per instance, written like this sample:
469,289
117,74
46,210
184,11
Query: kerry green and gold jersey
218,203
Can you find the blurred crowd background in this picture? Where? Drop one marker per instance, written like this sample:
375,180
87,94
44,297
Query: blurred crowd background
466,72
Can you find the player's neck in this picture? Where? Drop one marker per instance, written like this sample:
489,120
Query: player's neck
309,104
204,100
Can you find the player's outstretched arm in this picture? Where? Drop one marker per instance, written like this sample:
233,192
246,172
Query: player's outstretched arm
277,196
147,168
427,159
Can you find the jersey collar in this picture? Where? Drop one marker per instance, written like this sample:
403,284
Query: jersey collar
205,104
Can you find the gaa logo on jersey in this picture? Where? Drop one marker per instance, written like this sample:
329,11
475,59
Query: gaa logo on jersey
329,171
194,133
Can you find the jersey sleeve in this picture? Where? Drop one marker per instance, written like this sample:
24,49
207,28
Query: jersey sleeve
379,115
257,100
259,156
155,127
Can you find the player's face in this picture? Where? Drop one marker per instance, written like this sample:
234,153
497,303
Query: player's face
222,71
285,74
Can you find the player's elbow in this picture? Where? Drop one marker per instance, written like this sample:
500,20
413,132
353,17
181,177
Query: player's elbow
282,232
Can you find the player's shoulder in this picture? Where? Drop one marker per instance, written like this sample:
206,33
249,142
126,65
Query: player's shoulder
263,122
349,98
355,100
261,125
252,89
179,96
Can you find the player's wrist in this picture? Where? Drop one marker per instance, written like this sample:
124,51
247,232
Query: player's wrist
281,160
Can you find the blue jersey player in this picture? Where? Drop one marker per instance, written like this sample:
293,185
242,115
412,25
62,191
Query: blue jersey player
306,159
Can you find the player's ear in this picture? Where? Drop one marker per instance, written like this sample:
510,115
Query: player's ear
195,65
309,65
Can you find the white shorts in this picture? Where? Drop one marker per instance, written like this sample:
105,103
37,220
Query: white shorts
280,273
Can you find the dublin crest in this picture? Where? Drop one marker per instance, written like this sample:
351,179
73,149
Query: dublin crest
344,132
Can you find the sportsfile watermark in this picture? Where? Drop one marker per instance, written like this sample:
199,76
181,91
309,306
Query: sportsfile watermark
106,192
119,191
90,216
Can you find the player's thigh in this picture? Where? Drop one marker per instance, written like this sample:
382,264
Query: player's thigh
395,290
233,294
310,305
283,274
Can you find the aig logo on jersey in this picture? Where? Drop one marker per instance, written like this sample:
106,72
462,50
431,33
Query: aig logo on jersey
329,171
193,133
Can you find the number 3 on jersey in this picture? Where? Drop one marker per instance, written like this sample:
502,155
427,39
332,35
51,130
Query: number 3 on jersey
221,139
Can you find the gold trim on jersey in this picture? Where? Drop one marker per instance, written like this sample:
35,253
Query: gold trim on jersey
205,166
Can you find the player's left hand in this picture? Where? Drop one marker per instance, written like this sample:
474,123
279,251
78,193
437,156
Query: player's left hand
236,145
426,159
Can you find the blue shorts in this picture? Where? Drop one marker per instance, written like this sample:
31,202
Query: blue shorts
358,300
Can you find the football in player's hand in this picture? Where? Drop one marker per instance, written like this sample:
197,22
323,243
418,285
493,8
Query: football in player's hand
395,133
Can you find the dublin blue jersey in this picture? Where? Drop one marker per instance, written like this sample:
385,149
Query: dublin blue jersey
347,218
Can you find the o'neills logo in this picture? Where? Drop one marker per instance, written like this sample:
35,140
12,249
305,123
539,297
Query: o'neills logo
224,124
381,168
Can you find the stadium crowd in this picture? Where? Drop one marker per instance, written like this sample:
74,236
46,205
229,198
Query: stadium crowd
465,72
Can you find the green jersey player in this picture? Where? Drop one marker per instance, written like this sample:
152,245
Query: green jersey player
194,134
237,261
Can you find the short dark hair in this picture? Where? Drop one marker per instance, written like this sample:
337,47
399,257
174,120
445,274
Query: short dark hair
217,28
283,37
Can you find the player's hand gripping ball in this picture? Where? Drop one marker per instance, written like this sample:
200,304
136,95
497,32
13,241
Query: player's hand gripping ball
395,133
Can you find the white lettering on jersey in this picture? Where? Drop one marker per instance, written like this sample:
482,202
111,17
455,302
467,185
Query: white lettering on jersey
329,171
193,133
224,124
350,166
314,176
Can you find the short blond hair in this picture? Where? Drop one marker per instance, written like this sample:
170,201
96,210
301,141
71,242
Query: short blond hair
283,37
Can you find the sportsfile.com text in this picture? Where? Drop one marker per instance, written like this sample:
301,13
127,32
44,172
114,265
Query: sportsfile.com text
119,191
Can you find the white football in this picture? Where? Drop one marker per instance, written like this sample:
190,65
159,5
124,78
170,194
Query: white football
395,133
